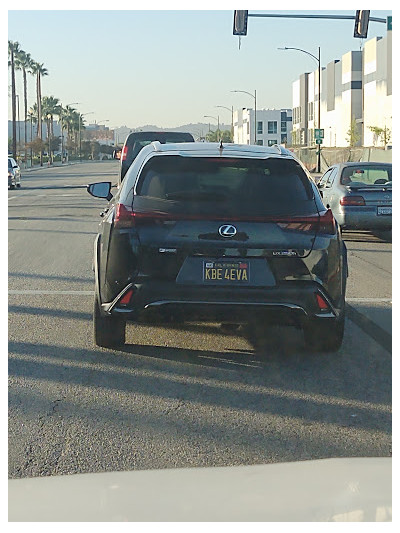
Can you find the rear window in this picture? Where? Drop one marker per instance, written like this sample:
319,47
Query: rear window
138,141
362,175
227,186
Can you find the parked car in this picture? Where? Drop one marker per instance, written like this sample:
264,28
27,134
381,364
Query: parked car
206,232
14,174
137,140
359,194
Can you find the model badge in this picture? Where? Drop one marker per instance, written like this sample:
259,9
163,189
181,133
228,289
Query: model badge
285,253
227,230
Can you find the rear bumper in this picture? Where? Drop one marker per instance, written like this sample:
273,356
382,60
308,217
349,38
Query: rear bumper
363,218
291,303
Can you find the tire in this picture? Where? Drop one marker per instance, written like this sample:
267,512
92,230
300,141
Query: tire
18,185
324,335
109,331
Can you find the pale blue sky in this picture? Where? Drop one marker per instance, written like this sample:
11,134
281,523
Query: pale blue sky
169,68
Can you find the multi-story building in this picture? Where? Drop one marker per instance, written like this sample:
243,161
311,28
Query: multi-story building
356,95
272,126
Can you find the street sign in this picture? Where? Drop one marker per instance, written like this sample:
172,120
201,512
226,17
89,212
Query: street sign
389,23
318,141
318,133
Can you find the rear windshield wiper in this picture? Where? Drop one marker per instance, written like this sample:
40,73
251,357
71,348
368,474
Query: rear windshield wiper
196,196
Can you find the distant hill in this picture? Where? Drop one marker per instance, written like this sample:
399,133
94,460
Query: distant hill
197,130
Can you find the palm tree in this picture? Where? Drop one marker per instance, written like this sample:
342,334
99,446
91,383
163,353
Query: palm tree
13,49
24,62
32,117
50,107
39,70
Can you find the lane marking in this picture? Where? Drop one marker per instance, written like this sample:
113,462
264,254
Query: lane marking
12,197
39,292
369,300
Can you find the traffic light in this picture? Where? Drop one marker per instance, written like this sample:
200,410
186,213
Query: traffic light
240,22
361,23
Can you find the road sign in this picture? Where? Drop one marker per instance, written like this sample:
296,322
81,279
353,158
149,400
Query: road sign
389,23
318,141
318,133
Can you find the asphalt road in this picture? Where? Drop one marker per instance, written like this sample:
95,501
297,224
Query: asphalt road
175,396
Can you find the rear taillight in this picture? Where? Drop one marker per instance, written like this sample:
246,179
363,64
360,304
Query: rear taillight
352,200
322,223
327,223
125,217
124,153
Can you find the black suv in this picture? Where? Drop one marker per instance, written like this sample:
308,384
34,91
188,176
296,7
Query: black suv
138,140
206,232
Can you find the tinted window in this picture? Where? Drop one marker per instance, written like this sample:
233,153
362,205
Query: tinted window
362,175
235,186
331,177
9,163
325,177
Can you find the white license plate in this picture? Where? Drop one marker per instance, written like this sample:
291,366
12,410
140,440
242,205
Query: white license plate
384,211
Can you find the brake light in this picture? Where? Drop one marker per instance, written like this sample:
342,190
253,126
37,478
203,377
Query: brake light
124,153
352,200
323,223
125,217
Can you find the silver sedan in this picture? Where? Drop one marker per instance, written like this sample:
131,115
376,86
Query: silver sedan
14,174
359,194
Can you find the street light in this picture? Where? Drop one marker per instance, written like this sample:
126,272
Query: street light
215,118
255,111
232,117
318,60
80,120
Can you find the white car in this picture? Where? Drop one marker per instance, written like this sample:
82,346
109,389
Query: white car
14,174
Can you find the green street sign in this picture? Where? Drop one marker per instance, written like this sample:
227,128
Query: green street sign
389,23
318,133
318,141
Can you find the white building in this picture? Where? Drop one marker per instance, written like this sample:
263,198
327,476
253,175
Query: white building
274,126
356,94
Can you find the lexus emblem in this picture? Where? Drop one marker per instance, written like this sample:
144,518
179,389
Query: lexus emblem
227,230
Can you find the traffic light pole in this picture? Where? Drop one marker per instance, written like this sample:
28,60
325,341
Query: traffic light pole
319,107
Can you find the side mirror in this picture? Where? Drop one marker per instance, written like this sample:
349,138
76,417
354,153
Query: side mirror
100,190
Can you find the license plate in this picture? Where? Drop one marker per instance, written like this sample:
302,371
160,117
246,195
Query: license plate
384,211
226,272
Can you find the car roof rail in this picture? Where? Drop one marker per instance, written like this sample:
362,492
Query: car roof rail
156,145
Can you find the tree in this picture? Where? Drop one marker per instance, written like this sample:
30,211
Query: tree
38,70
384,133
219,135
353,133
37,146
50,107
24,62
13,49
